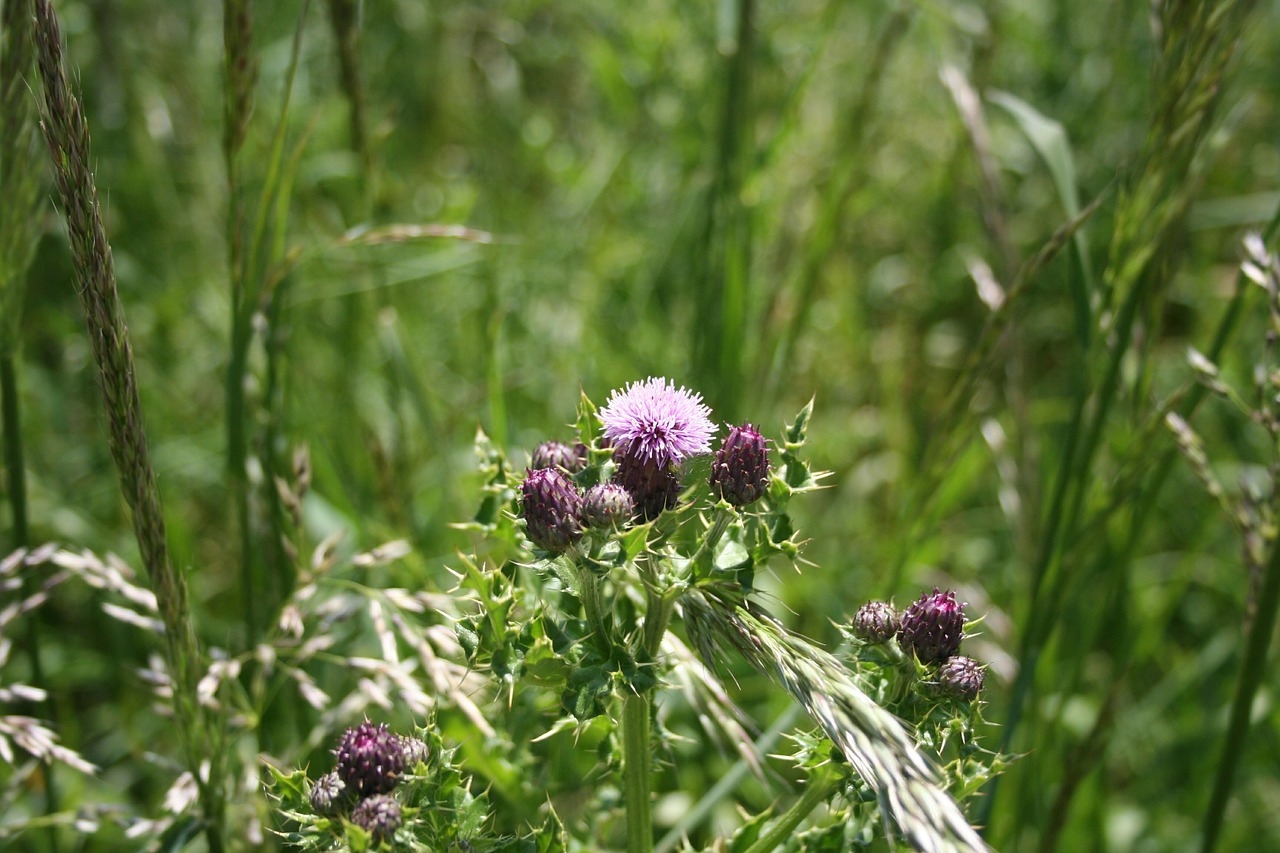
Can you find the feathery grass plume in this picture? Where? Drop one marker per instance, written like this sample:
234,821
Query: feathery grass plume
871,738
67,134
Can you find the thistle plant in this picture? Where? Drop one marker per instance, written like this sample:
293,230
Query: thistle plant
586,569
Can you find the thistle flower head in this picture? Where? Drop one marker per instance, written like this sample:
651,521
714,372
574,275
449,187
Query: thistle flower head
933,627
378,815
656,422
553,454
876,622
607,505
961,677
370,759
552,509
740,473
327,794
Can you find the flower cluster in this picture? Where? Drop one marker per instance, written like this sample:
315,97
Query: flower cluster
930,630
371,762
653,427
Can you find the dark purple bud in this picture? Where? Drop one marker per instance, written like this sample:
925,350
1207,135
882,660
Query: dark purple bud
370,759
379,816
961,677
552,509
932,627
875,622
328,794
607,505
740,472
553,454
653,485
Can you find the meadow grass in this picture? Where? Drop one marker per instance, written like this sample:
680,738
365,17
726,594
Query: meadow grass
984,237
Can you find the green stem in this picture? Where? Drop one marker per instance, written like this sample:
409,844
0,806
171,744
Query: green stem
702,557
1252,671
589,586
636,762
820,786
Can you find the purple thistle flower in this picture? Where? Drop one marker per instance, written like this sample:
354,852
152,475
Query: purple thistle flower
654,422
740,472
379,816
961,677
552,509
607,505
553,454
370,759
932,627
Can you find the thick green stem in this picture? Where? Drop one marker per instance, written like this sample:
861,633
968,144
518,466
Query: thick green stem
636,763
816,792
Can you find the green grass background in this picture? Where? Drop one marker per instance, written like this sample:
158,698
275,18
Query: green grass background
762,214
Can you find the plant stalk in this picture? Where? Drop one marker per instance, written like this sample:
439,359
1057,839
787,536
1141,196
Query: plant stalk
636,763
816,793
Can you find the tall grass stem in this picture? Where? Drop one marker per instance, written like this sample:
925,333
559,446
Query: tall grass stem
67,134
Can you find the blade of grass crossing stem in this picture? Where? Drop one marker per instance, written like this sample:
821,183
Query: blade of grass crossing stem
1049,139
67,135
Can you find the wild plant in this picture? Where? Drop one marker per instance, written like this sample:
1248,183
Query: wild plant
585,564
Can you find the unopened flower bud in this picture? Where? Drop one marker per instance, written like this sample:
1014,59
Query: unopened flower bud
932,627
961,677
552,509
379,816
415,751
875,622
740,472
553,454
607,505
328,794
370,759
